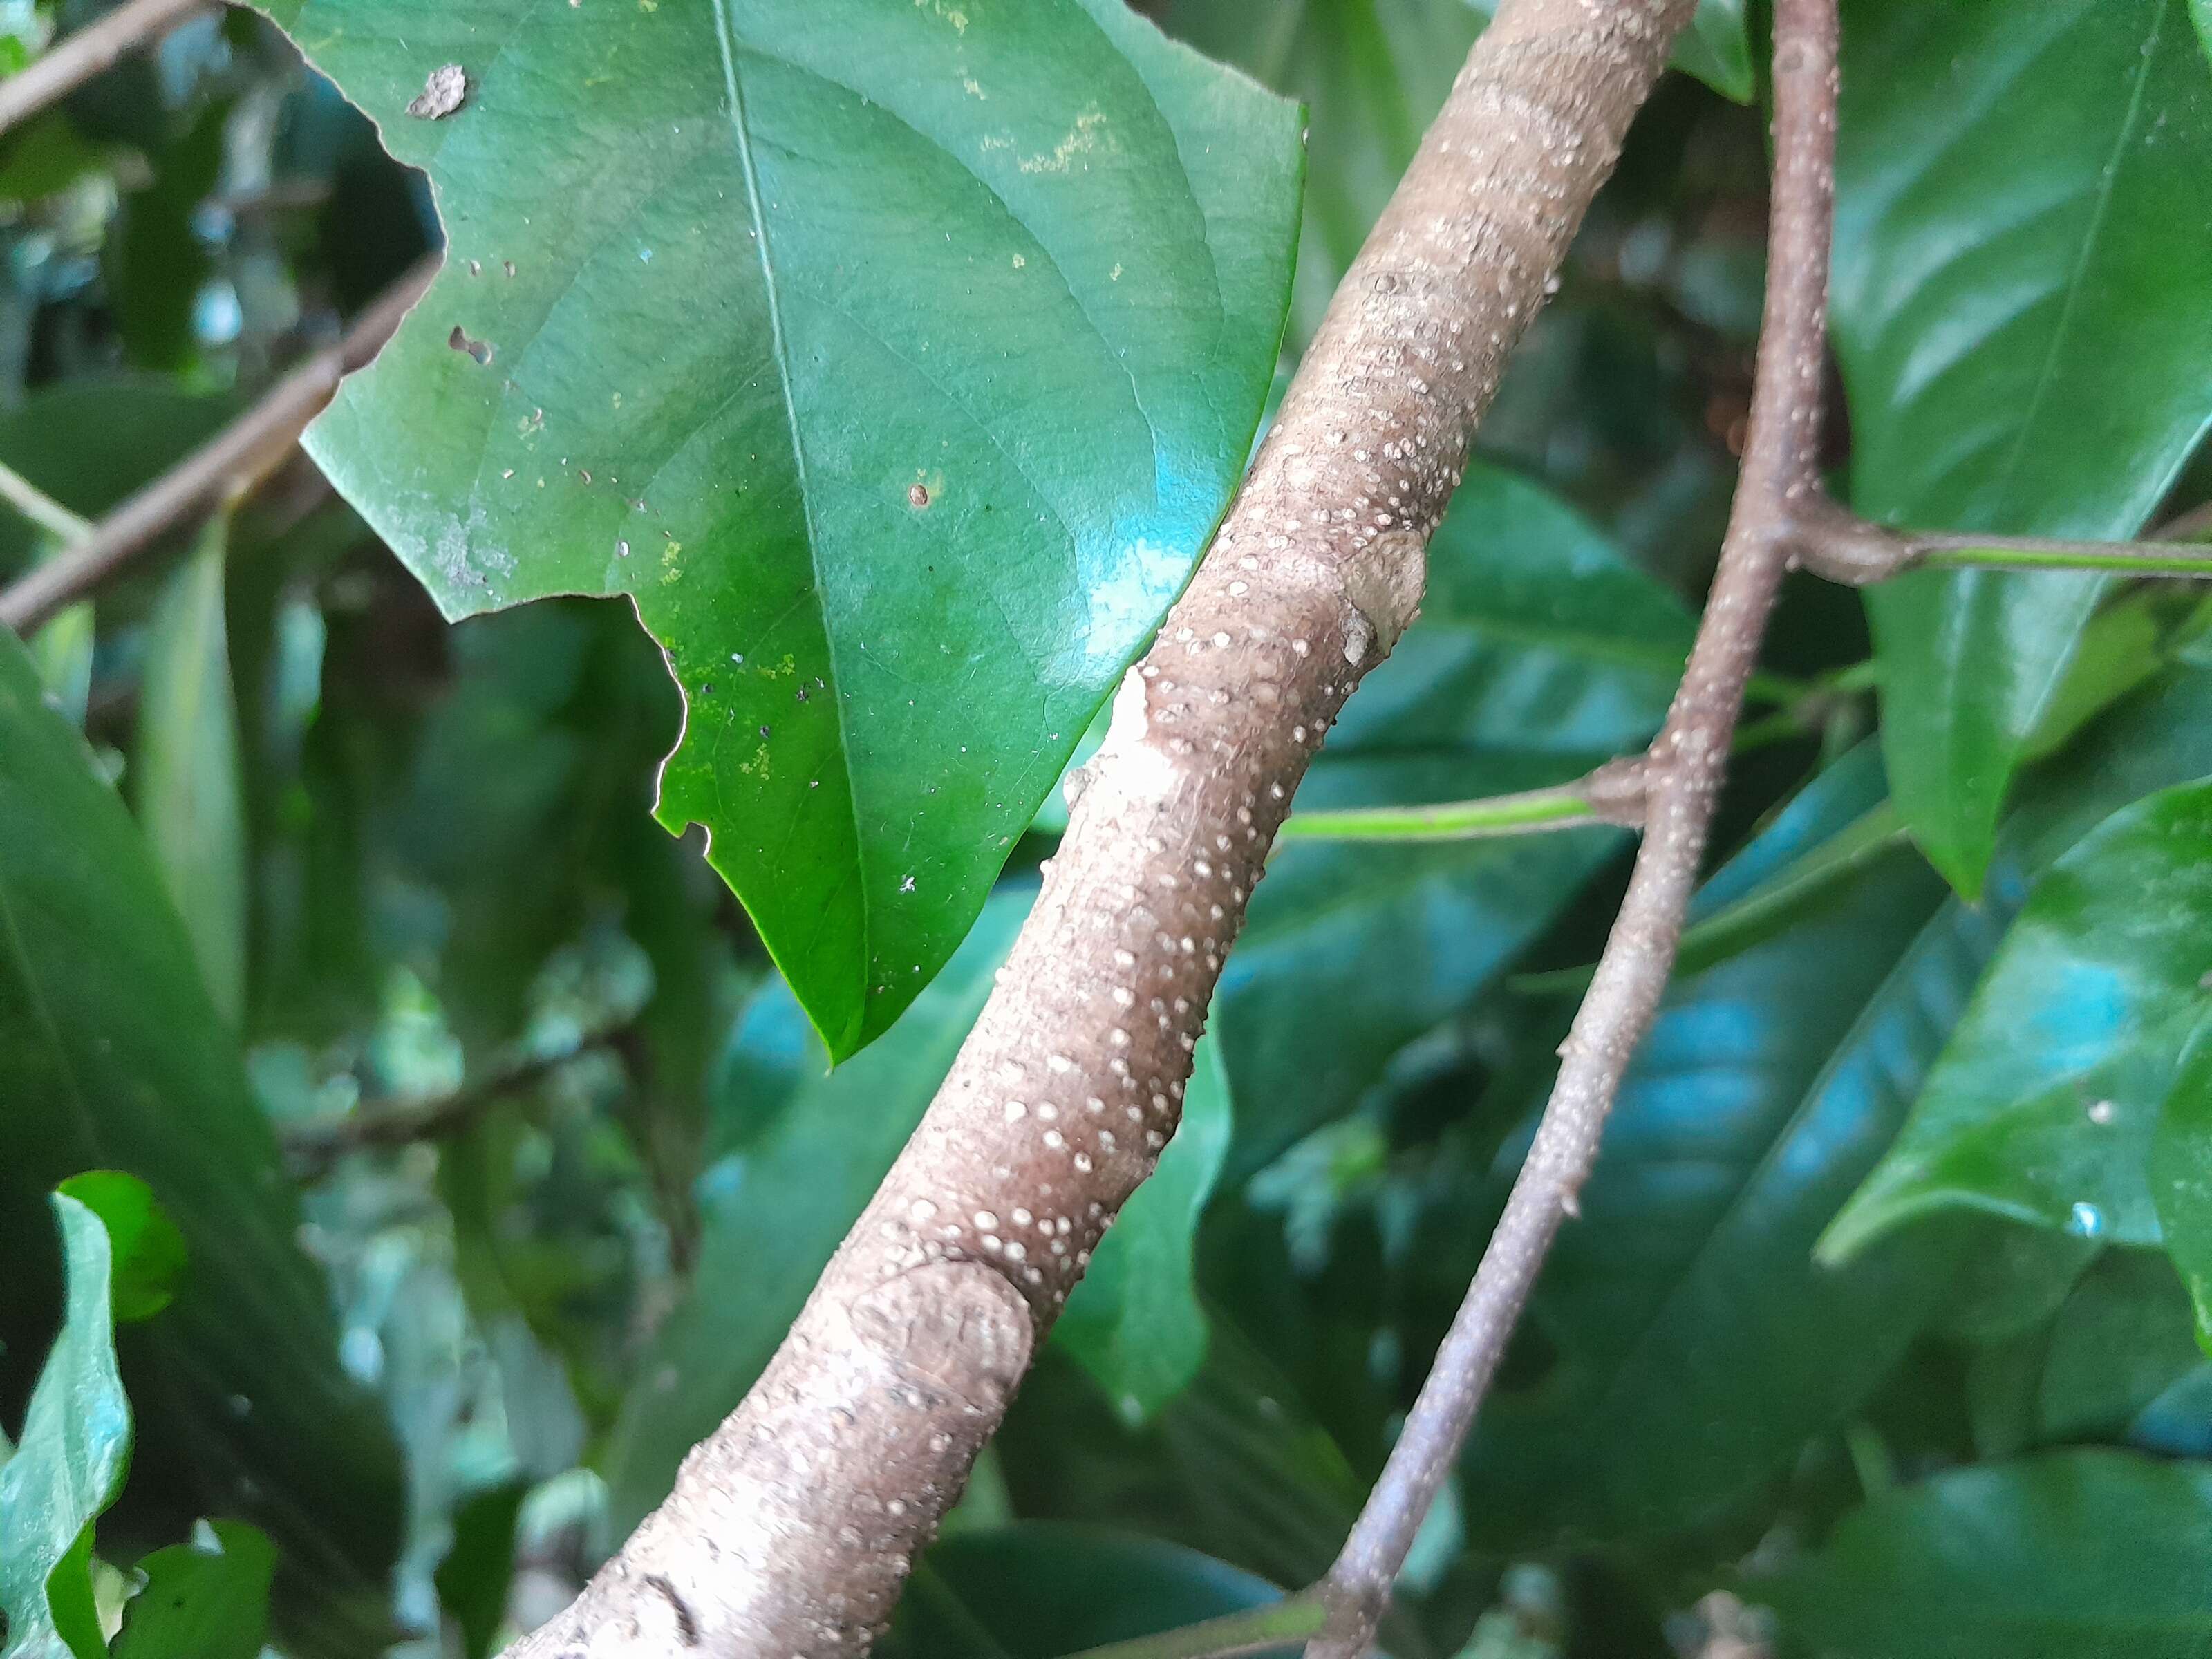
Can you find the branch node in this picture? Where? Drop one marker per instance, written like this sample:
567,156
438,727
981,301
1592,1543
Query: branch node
1619,792
1837,545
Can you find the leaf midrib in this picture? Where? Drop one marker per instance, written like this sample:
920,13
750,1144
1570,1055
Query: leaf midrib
733,87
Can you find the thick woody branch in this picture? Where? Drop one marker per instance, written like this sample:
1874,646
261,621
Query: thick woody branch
791,1529
76,60
227,466
1684,776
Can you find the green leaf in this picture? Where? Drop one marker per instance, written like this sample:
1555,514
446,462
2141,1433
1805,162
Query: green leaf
898,361
2181,1173
1372,74
114,1058
2058,1557
2202,11
1042,1590
1134,1321
185,785
62,650
1717,50
2120,1341
1991,318
207,1599
2044,1103
156,261
1540,653
774,1212
473,1579
62,438
67,1468
1768,1087
147,1252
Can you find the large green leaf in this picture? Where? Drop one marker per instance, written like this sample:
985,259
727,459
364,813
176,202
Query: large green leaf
896,360
2071,1555
2044,1103
76,1445
1688,1344
2022,345
774,1210
1540,653
1039,1590
114,1058
207,1599
185,785
2181,1173
1684,1342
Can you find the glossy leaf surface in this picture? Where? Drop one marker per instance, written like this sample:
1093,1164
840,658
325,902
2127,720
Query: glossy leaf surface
1690,1344
76,1446
2044,1103
896,360
1134,1321
1540,653
146,1254
114,1058
2058,1557
1039,1591
208,1598
1990,316
2181,1172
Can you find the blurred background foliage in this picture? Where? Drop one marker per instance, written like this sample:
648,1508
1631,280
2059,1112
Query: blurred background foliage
412,880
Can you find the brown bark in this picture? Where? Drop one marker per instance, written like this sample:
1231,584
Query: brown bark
792,1529
1682,774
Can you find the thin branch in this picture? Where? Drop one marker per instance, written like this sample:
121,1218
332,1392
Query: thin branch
1839,545
1256,1629
227,466
40,508
1780,471
1613,795
792,1527
72,62
311,1148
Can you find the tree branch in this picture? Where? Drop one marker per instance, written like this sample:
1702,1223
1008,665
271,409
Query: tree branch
1685,768
793,1527
228,465
311,1148
1837,544
72,62
40,508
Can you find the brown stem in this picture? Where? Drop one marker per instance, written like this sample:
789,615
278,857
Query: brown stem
72,62
227,466
311,1148
793,1527
1685,769
1837,545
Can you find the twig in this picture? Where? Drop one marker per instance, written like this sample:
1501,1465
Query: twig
1256,1629
1780,471
76,60
40,508
1836,544
1612,794
227,466
792,1527
311,1148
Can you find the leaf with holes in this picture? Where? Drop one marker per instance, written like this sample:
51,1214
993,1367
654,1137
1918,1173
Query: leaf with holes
2023,346
896,360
